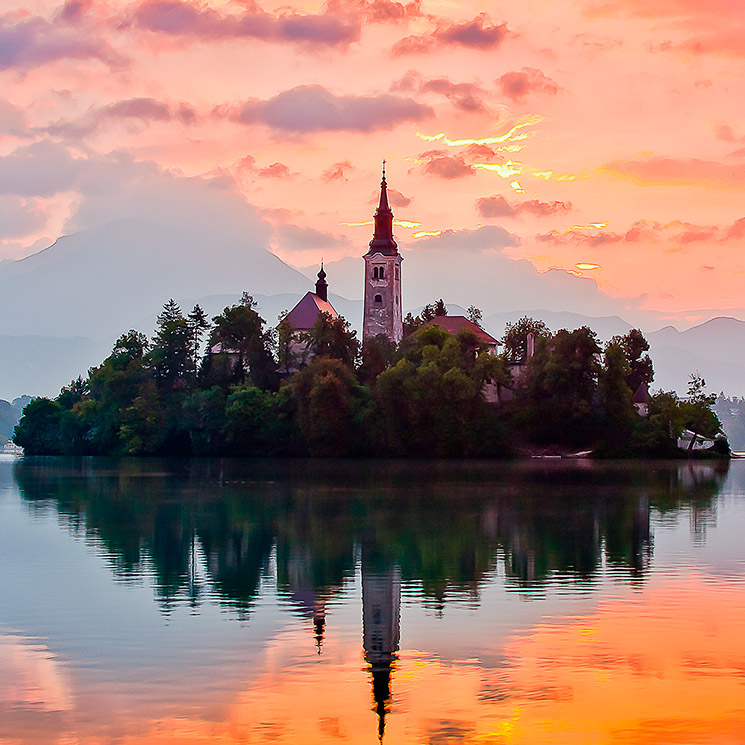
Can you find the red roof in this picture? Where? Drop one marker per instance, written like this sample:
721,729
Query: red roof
454,324
304,315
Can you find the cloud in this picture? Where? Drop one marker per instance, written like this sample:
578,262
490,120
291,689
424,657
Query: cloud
480,33
337,172
12,120
312,108
116,186
486,238
377,11
40,169
518,84
396,198
143,110
498,206
200,22
676,233
657,169
275,170
294,238
439,163
20,217
33,41
467,97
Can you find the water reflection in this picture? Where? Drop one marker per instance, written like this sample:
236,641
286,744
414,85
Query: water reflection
443,537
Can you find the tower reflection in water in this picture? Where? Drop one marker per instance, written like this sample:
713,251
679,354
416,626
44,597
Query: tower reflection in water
381,632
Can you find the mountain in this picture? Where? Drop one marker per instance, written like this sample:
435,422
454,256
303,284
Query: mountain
102,281
604,326
715,349
41,365
10,413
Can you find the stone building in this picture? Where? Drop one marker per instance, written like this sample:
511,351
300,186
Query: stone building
382,307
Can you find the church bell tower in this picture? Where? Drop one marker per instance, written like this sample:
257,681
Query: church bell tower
383,277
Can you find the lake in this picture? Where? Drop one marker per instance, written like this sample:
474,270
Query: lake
228,601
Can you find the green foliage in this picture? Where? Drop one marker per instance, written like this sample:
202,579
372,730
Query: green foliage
432,396
331,407
38,431
331,337
557,400
245,349
171,351
617,413
515,339
431,402
635,347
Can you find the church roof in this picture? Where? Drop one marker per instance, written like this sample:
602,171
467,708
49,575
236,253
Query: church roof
304,315
455,324
641,394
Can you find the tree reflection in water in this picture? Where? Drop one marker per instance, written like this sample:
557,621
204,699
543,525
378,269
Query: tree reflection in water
211,530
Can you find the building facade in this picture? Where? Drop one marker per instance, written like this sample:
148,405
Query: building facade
382,311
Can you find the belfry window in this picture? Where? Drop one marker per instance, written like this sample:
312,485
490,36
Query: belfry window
378,272
378,298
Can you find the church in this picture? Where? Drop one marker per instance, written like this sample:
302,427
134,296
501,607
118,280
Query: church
382,314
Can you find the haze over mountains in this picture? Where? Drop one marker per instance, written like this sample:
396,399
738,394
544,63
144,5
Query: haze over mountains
64,306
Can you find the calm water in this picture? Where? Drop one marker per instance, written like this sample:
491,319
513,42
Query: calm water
146,601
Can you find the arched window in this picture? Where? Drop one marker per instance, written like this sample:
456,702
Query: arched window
375,272
381,273
378,298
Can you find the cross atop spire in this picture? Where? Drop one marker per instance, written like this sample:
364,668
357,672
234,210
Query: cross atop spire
383,241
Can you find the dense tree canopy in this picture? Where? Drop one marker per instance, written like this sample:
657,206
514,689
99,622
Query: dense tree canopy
257,391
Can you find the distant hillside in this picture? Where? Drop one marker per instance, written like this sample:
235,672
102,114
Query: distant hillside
100,281
10,413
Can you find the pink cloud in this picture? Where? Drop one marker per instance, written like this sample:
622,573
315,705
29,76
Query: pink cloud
518,84
465,96
144,110
179,18
377,11
337,172
312,108
439,163
34,41
498,206
275,170
658,169
480,33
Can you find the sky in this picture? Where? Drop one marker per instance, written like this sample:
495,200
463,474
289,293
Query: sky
603,138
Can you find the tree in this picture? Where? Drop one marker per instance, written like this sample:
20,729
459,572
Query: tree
332,337
171,351
515,339
198,323
432,310
38,431
287,348
377,354
474,314
616,401
330,407
246,347
697,411
635,347
556,402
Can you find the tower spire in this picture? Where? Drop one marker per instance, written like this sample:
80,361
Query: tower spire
322,286
383,241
